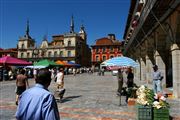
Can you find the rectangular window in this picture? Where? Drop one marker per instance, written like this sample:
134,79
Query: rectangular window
97,49
111,49
104,49
69,53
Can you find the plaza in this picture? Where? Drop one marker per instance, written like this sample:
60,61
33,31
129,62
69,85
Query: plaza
87,97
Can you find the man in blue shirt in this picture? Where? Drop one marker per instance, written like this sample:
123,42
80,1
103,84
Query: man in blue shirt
157,77
37,103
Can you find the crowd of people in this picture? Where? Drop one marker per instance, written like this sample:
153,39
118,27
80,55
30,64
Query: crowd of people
39,99
127,76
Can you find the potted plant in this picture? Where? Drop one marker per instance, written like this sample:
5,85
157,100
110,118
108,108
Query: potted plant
161,107
131,92
145,99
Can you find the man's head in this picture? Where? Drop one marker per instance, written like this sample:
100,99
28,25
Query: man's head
61,69
155,67
22,71
43,77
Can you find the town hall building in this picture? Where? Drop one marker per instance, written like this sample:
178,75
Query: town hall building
67,47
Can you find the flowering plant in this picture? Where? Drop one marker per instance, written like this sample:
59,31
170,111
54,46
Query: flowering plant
145,96
160,101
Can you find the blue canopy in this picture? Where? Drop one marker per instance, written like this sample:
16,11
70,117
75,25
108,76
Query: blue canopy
120,62
74,64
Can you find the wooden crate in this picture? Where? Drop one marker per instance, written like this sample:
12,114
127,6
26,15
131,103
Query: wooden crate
161,114
144,112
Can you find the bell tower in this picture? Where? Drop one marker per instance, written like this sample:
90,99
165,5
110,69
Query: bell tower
72,25
25,42
82,33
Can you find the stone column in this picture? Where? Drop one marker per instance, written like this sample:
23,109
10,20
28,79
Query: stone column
143,70
148,70
149,59
161,67
175,50
143,61
137,72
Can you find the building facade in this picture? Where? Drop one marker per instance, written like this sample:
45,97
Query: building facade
8,52
106,48
70,46
152,36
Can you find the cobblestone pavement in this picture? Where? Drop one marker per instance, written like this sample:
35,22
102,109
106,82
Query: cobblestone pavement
87,97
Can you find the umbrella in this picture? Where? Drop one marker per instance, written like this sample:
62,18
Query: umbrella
45,63
35,67
120,62
59,62
74,64
8,60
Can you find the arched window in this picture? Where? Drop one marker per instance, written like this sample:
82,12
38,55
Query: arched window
97,58
69,43
104,58
61,53
50,54
55,54
22,46
111,56
28,55
22,55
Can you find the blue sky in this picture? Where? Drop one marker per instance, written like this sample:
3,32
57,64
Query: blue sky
52,17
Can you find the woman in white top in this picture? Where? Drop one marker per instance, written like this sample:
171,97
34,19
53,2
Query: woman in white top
60,79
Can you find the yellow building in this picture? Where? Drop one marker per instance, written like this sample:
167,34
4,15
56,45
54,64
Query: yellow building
70,46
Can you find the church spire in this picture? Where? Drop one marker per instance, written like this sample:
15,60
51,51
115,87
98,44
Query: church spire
72,25
27,28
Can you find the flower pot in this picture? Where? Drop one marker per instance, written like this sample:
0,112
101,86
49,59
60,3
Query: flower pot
131,101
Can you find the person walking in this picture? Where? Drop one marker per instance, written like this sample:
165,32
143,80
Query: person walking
157,77
37,103
60,83
21,83
60,78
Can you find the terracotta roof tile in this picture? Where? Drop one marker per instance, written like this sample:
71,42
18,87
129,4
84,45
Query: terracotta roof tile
107,41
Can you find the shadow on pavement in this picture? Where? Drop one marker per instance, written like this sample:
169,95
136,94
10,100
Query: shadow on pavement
68,98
